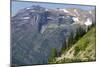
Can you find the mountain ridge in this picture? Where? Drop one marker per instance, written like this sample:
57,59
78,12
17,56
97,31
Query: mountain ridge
35,31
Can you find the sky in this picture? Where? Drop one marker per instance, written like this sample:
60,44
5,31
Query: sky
17,5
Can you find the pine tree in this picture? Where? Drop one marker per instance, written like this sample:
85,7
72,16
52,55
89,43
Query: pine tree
79,33
70,39
53,55
63,46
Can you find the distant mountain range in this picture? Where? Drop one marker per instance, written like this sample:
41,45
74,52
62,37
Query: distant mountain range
36,30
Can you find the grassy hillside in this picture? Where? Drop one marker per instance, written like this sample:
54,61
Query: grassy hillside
82,50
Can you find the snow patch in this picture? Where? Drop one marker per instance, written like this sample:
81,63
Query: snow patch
27,8
88,22
90,12
75,10
26,17
64,10
75,19
46,9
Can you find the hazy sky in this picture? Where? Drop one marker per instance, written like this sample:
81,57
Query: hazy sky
16,5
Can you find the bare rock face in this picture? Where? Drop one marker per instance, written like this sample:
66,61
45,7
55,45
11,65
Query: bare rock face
36,30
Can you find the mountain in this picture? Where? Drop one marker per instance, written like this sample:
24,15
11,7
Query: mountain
36,30
81,16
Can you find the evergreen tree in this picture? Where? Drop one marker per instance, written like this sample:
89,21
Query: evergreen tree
70,39
53,55
63,46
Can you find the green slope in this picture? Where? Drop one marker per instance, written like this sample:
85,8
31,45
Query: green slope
82,50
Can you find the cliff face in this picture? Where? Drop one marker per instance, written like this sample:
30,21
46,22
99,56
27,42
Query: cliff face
36,30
